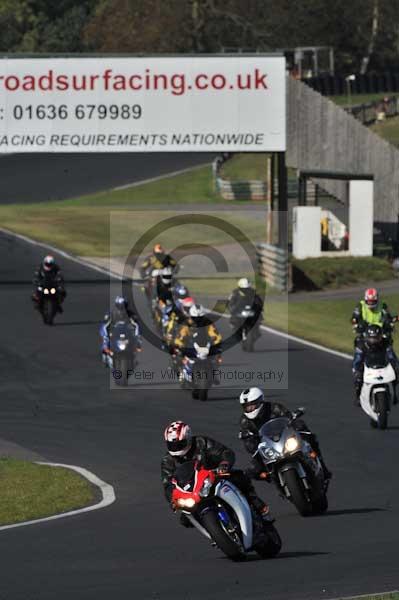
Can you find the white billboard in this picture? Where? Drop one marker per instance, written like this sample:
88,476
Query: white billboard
176,103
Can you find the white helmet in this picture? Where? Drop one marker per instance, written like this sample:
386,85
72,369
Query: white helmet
166,275
244,283
251,401
178,438
197,311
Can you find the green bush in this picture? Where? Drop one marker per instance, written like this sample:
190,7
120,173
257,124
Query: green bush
321,273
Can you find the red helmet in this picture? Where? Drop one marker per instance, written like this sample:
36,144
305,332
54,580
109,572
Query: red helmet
186,304
178,438
371,297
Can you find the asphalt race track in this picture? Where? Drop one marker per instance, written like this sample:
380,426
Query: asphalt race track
42,177
56,401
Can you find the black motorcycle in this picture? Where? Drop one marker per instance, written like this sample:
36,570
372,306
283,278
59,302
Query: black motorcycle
198,368
246,323
48,300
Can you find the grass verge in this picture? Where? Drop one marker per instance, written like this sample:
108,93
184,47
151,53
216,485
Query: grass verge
325,273
325,322
356,99
31,491
245,166
81,225
388,129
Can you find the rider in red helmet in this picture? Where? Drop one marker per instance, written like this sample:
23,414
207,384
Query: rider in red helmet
183,446
371,311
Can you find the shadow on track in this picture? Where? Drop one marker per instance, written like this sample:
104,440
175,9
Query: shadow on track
68,323
256,558
300,554
271,351
352,511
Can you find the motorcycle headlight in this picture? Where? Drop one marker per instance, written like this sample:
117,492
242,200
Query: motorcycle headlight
122,344
45,291
185,502
53,290
291,444
206,487
269,453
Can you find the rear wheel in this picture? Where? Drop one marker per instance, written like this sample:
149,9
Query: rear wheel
320,505
272,543
248,343
298,494
382,408
229,543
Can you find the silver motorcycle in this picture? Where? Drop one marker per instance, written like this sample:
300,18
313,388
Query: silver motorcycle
292,465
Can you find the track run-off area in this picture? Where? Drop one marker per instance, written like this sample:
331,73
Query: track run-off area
57,401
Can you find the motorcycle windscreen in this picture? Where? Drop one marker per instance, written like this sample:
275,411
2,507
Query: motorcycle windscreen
122,330
185,474
376,358
274,429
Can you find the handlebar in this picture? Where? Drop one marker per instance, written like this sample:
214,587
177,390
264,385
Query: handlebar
297,413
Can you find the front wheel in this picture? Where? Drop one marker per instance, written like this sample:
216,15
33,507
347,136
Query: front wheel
48,311
297,492
382,409
272,543
123,366
229,543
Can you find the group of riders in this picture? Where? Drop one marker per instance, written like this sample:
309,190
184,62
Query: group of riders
180,318
182,447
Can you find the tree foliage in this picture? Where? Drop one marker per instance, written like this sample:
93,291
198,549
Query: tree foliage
363,33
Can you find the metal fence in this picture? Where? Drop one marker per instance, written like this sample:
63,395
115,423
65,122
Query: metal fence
323,136
237,190
369,83
273,266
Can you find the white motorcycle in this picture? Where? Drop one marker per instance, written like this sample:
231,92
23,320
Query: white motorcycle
377,390
218,510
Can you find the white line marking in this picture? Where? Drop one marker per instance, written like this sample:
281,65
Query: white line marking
159,177
377,595
307,343
75,259
89,265
107,491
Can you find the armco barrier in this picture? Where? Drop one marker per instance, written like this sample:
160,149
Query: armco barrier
241,190
273,266
237,190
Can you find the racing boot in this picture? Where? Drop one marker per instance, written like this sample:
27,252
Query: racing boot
314,442
261,508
